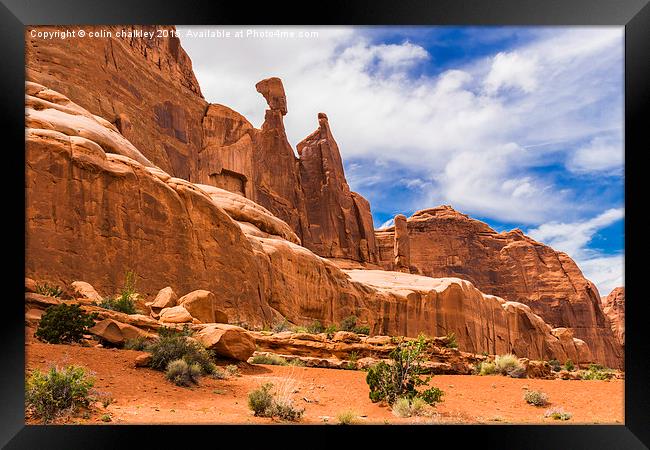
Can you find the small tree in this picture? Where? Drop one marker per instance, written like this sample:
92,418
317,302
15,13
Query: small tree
400,377
64,323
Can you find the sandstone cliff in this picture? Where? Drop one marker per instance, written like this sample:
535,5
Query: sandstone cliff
92,213
146,87
446,243
614,309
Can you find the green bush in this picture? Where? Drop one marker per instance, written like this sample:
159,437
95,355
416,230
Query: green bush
536,398
402,375
64,323
264,403
485,368
315,327
233,371
260,400
432,395
49,394
173,346
272,360
597,372
296,363
509,365
139,343
49,291
330,330
124,302
283,325
450,341
568,365
181,373
363,329
555,365
349,323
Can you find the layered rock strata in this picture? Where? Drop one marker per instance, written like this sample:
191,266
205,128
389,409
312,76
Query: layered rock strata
446,243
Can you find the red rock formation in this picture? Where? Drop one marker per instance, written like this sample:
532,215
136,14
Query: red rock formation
339,220
401,246
145,86
446,243
614,309
91,215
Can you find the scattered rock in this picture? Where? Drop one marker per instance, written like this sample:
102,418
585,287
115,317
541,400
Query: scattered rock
202,305
166,298
226,340
345,336
116,332
175,314
143,360
30,285
81,289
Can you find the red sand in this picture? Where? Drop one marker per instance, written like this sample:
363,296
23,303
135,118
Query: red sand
143,396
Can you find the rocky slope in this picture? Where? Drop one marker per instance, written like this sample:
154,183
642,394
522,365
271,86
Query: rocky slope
614,309
446,243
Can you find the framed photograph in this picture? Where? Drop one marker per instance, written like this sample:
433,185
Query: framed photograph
359,220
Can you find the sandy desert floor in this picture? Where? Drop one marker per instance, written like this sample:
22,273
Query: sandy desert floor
143,396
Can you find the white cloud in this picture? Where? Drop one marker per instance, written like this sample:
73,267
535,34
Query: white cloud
606,272
512,70
601,154
446,124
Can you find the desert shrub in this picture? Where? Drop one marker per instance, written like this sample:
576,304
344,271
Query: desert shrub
536,398
557,414
124,302
260,400
330,330
169,331
233,371
509,365
49,291
139,343
362,329
597,372
299,329
432,395
405,407
349,323
450,341
272,360
64,323
568,365
181,373
173,346
219,374
401,376
49,394
485,368
347,417
315,327
106,418
555,365
265,403
282,325
296,363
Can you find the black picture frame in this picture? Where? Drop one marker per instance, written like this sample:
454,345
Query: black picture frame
633,14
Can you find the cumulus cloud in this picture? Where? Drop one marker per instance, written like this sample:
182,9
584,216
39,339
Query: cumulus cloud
512,70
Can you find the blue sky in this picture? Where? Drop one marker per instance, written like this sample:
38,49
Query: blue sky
516,126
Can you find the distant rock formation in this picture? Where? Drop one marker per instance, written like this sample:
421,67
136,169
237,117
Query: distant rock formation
446,243
340,222
614,309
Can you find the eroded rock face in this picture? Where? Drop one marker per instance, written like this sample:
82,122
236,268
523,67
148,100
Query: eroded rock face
146,87
401,246
92,215
614,309
203,305
339,220
446,243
